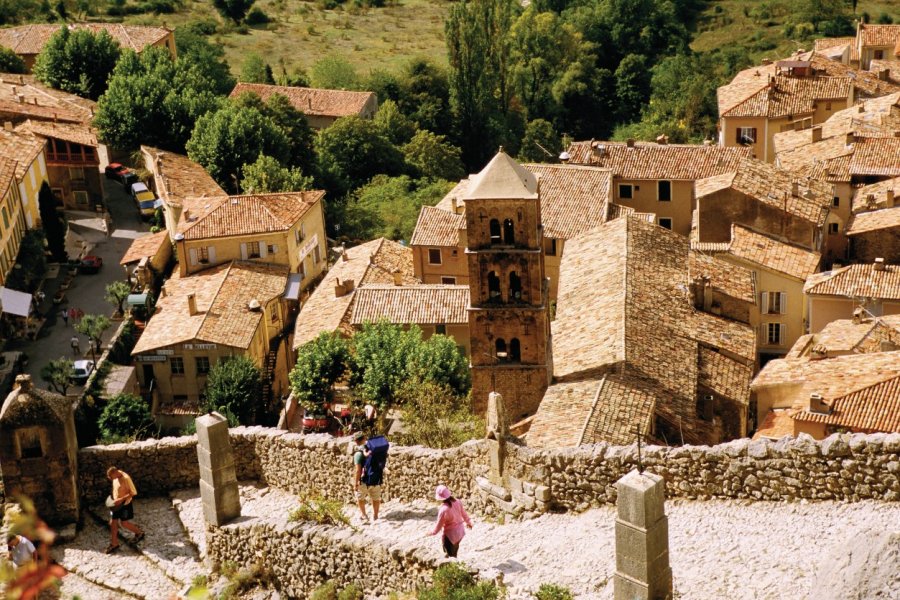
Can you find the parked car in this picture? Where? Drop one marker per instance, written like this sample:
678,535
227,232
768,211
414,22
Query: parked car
81,370
144,198
90,264
120,173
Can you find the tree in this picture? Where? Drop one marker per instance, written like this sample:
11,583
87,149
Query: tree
267,175
231,137
425,96
632,86
334,72
126,417
58,373
256,70
93,326
394,125
235,10
434,417
53,225
205,58
10,62
541,143
77,61
320,363
116,293
234,388
438,360
433,157
300,136
381,354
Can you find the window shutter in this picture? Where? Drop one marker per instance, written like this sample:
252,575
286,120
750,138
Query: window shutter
193,256
274,248
737,137
262,249
782,299
243,251
763,303
782,334
211,251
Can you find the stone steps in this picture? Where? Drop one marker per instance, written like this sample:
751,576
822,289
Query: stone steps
75,586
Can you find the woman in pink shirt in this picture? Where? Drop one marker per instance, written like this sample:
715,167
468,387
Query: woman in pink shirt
451,518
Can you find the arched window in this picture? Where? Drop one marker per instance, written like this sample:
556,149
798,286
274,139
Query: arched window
500,347
509,235
495,231
493,286
515,287
515,350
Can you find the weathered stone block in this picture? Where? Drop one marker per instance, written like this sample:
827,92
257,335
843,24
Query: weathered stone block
641,498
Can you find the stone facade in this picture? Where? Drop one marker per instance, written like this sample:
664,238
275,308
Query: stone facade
881,243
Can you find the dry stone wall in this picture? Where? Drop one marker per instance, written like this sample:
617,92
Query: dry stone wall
849,467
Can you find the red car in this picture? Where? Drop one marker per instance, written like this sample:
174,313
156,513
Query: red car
120,173
90,264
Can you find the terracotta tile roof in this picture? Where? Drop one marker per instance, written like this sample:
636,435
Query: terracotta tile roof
222,294
145,246
857,280
77,133
866,84
253,214
437,227
818,158
731,337
31,39
622,405
41,102
370,263
891,66
574,198
791,96
178,407
878,156
876,220
762,250
831,377
822,44
874,196
878,35
563,413
311,101
846,336
405,304
729,279
182,183
777,424
873,408
725,376
773,186
7,174
648,160
23,148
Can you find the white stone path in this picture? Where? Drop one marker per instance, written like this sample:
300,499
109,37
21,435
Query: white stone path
719,549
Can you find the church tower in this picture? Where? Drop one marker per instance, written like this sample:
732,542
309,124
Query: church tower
509,323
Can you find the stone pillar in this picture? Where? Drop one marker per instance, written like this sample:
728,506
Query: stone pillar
642,539
497,433
218,477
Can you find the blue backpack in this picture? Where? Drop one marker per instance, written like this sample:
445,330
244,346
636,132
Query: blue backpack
376,459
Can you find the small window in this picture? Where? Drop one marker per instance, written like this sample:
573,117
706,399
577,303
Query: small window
440,329
76,173
879,54
834,228
434,256
550,246
202,365
515,350
500,349
493,286
625,191
515,287
495,231
176,363
835,201
746,135
272,248
317,257
81,197
665,222
203,254
664,191
774,334
828,106
448,280
509,233
29,441
5,218
253,250
772,303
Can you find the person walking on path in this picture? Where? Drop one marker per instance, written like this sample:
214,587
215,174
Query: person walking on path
451,518
76,345
121,508
360,488
64,315
21,550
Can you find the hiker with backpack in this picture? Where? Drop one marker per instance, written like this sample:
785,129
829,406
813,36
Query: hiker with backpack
451,518
369,460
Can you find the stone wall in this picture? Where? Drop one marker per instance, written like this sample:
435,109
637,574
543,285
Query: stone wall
301,557
849,467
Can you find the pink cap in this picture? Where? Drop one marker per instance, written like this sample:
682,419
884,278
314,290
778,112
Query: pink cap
442,492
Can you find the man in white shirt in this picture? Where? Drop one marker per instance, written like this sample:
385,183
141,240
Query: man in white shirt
21,550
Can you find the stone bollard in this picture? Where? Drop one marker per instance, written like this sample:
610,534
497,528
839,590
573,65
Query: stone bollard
642,539
218,477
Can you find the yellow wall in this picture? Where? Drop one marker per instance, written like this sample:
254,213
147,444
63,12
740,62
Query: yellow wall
12,229
29,187
645,198
453,264
728,134
825,309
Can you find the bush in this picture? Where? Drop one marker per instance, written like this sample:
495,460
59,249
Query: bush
126,417
550,591
436,418
453,582
256,16
319,510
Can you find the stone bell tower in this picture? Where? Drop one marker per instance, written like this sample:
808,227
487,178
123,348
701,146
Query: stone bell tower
509,321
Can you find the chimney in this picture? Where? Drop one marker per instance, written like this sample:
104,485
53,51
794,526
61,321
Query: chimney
162,292
453,205
817,133
630,142
883,74
348,285
818,352
7,125
398,277
662,140
879,264
192,304
21,98
371,259
851,137
817,405
339,289
23,382
795,189
344,256
889,196
858,314
861,108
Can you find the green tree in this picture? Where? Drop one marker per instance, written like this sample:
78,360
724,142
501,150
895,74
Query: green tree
126,417
256,70
334,72
425,96
53,225
235,10
433,157
31,263
58,374
77,61
541,143
205,58
632,86
435,417
381,354
116,293
438,360
394,125
231,137
267,175
93,327
320,363
234,388
10,62
389,207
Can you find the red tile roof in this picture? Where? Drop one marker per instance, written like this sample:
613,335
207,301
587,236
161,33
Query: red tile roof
312,101
31,39
253,214
647,160
407,304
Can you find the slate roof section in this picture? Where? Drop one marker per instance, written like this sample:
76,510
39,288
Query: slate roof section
311,101
767,252
31,39
222,296
145,246
855,281
370,263
253,214
437,227
873,408
425,304
648,160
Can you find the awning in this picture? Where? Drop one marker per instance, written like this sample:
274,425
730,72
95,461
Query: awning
136,300
292,292
15,302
